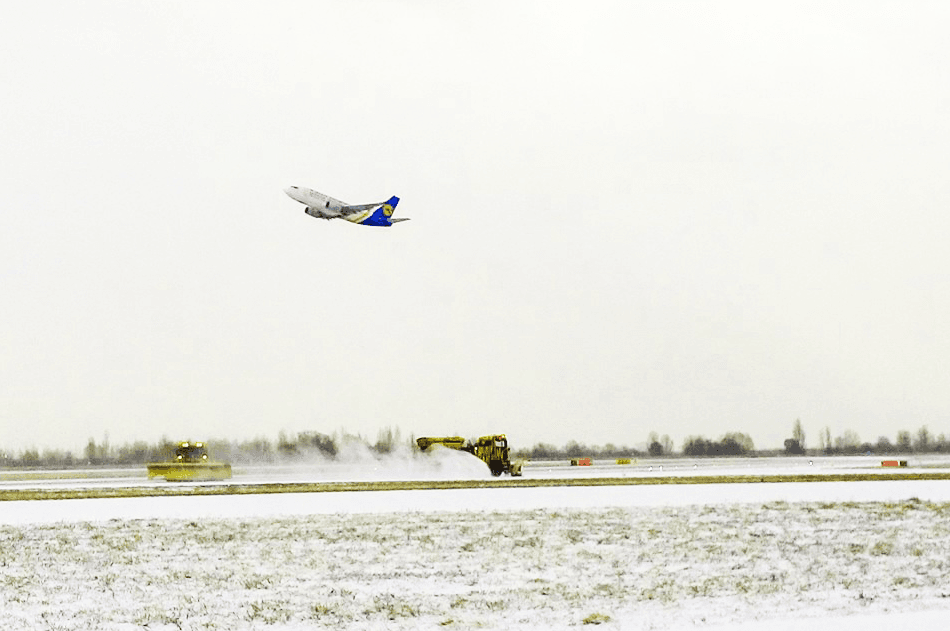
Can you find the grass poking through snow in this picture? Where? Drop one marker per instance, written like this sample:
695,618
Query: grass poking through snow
644,568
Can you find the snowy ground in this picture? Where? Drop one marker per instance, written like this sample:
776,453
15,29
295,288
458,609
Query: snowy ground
647,568
830,555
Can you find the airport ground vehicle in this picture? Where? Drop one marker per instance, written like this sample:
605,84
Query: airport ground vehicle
190,463
493,450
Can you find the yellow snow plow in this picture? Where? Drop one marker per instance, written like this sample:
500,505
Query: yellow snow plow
492,450
191,463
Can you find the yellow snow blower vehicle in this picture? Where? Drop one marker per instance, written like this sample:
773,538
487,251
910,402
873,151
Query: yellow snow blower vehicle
492,450
191,463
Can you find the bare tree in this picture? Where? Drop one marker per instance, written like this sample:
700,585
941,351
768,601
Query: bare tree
667,443
849,442
798,434
903,441
884,445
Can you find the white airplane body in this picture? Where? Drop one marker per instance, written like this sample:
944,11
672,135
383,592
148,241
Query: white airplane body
325,207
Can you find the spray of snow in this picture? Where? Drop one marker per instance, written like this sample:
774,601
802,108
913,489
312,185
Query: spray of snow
355,461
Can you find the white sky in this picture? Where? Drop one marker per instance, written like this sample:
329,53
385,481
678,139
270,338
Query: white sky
681,217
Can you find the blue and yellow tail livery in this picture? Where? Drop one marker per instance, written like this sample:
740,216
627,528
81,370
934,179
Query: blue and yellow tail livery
383,215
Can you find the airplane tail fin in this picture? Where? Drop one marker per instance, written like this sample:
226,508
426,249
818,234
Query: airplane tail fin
373,214
393,201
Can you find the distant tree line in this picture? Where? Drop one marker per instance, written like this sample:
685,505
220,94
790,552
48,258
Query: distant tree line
732,444
574,449
656,446
311,444
255,451
849,443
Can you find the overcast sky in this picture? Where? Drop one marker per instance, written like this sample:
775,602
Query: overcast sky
688,218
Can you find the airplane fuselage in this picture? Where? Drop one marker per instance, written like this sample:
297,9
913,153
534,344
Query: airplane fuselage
318,204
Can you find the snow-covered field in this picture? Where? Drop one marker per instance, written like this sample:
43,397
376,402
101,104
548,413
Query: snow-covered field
747,556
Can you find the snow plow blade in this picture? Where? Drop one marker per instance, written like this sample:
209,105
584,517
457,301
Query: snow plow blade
173,471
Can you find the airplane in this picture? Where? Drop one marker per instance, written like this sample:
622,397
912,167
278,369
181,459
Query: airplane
325,207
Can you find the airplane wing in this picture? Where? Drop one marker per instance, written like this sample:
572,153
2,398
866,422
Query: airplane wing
327,201
357,208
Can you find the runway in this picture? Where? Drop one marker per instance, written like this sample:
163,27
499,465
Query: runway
270,491
457,470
